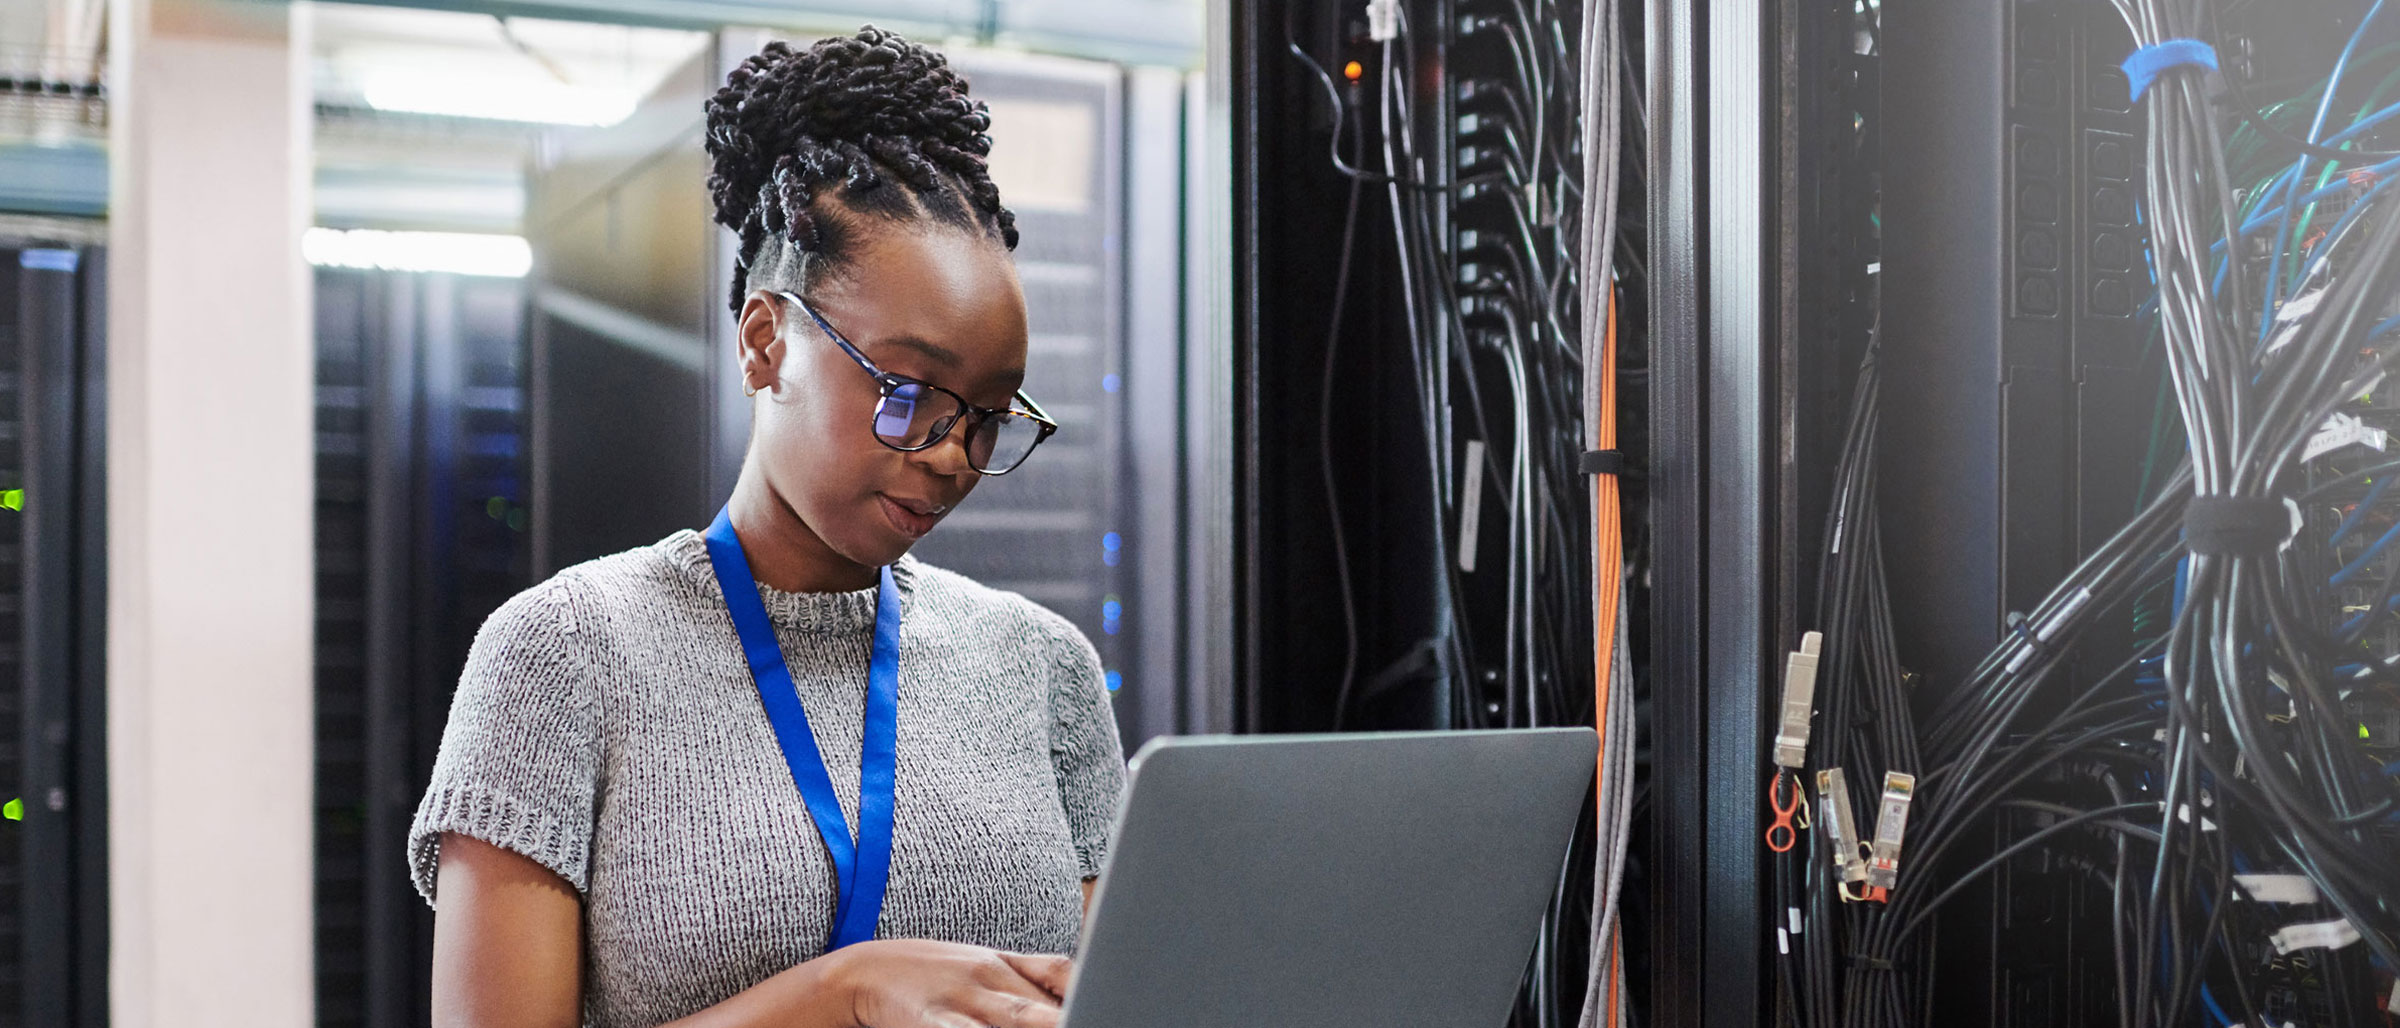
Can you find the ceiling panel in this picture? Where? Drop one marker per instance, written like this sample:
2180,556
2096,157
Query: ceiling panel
1130,31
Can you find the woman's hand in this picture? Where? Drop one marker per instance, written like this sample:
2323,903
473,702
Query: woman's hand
915,983
508,951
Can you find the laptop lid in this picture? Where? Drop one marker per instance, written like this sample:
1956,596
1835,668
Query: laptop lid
1369,880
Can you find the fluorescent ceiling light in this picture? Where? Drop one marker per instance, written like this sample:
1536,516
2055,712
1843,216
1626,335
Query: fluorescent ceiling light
501,98
458,253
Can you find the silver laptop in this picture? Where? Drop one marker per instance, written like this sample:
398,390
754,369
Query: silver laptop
1330,881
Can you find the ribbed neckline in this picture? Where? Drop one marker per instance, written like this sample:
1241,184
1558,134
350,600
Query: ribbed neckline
820,613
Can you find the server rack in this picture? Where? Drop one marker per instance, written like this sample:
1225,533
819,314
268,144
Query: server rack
53,805
2026,394
1063,530
420,535
1971,171
2016,378
1741,313
1289,209
2015,368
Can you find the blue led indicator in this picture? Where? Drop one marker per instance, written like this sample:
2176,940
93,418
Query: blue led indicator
1111,383
1110,558
1115,681
1112,610
64,260
1112,542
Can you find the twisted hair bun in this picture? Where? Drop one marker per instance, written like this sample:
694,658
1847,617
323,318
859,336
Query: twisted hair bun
872,122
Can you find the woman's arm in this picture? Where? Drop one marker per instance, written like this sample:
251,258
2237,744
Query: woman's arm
507,941
508,953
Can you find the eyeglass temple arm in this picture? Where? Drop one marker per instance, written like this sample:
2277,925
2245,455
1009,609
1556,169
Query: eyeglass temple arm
1032,406
827,328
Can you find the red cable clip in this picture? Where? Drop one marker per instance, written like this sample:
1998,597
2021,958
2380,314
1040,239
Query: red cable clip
1781,836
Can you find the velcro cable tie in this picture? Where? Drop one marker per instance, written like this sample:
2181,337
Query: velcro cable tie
2149,62
1601,462
2239,526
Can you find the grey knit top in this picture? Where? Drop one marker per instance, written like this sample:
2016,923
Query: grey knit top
607,727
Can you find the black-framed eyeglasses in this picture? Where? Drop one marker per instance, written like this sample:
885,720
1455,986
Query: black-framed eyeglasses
914,415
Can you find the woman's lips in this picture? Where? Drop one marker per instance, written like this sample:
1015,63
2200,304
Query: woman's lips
909,522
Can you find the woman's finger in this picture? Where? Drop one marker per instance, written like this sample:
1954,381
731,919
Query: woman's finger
1049,971
1014,1010
1011,980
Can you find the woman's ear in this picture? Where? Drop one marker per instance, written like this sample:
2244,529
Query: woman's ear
758,340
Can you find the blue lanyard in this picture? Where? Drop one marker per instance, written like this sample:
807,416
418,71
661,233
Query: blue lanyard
862,870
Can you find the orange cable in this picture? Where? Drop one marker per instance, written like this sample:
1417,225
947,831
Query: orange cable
1608,553
1608,572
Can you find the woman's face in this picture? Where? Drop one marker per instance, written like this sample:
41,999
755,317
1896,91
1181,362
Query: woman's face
934,304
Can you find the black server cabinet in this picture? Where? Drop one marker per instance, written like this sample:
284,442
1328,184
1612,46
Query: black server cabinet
420,535
2017,401
2011,278
1745,312
1325,492
53,858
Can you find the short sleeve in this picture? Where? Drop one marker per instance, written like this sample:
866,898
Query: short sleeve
519,765
1084,747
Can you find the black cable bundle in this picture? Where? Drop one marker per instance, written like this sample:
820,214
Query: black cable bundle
2217,789
1864,722
1478,171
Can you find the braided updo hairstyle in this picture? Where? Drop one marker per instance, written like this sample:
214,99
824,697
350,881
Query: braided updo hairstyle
872,124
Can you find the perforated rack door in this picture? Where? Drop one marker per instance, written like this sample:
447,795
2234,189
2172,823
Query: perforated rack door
52,858
421,517
12,666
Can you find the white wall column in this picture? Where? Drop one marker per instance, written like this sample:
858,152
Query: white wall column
210,514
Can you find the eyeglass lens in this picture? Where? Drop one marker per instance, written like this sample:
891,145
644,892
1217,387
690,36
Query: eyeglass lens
1004,442
912,416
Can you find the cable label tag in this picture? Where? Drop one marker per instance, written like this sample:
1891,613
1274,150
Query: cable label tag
1470,506
2278,888
2292,316
2394,1005
1383,20
2314,935
2341,430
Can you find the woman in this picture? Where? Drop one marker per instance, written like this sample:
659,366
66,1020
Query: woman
632,822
